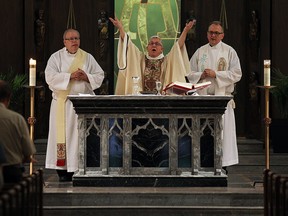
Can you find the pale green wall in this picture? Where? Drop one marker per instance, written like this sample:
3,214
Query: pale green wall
143,20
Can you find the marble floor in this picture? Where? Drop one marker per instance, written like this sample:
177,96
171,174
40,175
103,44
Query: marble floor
242,196
248,182
247,175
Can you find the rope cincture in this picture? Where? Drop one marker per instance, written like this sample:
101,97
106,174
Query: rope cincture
71,21
223,15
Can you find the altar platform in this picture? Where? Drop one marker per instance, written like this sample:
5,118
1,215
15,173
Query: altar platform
242,196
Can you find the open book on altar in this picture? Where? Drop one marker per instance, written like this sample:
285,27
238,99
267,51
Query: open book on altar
182,88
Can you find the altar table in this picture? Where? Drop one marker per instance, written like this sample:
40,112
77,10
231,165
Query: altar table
149,140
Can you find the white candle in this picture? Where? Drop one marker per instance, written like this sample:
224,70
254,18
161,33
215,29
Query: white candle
267,72
32,72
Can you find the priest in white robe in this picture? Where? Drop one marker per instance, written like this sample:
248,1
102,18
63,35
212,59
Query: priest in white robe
219,63
151,66
69,71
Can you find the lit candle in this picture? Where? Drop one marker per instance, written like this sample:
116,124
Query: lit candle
32,72
267,72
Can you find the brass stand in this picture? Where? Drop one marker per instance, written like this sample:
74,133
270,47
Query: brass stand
32,119
267,122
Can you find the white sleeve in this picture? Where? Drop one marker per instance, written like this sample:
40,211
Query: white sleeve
55,78
194,75
94,72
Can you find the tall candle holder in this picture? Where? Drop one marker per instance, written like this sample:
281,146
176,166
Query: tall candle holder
267,122
267,119
31,119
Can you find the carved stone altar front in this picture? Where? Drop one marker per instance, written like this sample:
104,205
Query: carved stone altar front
150,140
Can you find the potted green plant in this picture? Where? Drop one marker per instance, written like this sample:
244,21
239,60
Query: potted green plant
16,81
279,125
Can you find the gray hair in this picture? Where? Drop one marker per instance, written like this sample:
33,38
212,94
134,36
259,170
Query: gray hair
70,30
155,36
216,22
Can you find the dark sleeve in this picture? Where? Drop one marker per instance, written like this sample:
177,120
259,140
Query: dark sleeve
2,154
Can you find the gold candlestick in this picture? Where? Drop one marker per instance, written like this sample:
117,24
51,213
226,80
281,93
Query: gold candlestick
267,121
31,119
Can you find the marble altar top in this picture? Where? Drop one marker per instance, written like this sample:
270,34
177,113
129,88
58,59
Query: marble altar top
117,104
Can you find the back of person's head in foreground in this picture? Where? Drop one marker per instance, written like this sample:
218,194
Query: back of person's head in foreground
215,33
5,93
155,46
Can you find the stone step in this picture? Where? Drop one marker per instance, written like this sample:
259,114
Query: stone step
240,197
246,169
152,196
40,145
40,157
250,145
260,159
168,201
153,211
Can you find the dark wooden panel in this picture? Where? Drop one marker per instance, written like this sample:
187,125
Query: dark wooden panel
236,36
12,41
252,50
86,15
279,35
279,46
12,36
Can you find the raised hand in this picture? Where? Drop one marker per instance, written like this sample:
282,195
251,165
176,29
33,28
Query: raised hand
117,23
189,25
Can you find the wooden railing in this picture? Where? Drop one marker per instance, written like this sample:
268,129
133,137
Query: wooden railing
24,198
275,194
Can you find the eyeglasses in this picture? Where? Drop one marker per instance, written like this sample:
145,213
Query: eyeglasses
72,38
154,43
215,33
